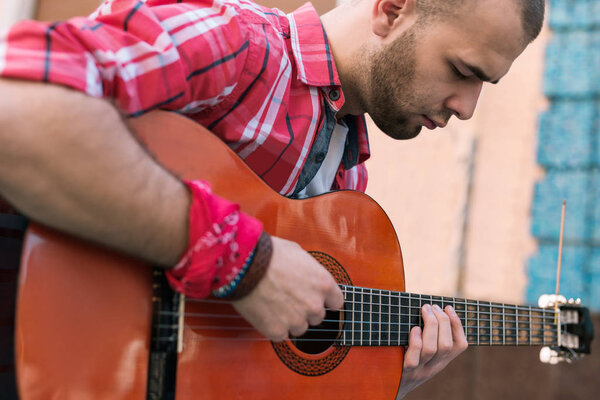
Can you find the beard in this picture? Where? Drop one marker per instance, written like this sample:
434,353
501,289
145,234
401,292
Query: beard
391,92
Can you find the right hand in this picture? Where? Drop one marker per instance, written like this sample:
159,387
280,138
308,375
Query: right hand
292,295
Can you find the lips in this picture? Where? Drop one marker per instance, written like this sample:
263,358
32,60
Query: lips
432,124
429,124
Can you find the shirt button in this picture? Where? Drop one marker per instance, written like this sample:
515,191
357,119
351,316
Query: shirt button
320,157
334,95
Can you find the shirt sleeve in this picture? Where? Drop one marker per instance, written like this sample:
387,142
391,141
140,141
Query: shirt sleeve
145,55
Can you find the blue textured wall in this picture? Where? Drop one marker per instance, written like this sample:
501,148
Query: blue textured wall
569,151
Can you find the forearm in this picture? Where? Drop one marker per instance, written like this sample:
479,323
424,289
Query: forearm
68,161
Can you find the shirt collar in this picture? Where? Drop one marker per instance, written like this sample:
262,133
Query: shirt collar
310,47
316,67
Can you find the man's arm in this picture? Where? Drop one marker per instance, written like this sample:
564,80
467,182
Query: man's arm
68,161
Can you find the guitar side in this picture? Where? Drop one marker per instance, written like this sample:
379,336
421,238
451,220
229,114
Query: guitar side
347,226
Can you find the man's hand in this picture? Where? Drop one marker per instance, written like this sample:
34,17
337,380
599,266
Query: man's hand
442,340
292,295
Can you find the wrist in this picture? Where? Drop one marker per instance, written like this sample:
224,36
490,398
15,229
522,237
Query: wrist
220,240
251,273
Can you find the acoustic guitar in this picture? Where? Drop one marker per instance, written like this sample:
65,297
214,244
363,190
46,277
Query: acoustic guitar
92,324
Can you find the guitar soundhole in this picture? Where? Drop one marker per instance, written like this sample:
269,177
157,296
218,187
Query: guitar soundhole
317,360
319,338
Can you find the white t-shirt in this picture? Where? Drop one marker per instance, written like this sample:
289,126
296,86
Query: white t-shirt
322,181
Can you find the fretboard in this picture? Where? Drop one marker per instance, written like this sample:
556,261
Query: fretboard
375,317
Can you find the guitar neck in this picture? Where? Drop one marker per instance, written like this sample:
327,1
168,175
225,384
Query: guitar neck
374,317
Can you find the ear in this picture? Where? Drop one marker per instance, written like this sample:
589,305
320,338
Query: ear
391,15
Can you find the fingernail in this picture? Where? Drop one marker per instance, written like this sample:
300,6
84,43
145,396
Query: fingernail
450,309
427,308
436,307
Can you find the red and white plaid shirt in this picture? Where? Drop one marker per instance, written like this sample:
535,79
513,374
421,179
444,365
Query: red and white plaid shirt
257,78
263,81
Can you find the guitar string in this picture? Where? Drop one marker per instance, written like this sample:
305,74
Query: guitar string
373,332
521,318
337,342
525,309
552,327
425,301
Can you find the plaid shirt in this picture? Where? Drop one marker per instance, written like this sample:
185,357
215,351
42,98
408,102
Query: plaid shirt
261,80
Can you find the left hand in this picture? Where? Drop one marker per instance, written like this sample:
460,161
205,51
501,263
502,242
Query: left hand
428,353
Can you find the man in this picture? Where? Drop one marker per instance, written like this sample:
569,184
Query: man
285,92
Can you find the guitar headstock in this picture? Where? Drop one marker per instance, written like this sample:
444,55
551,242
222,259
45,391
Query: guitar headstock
575,330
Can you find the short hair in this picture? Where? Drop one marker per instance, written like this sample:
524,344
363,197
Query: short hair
532,12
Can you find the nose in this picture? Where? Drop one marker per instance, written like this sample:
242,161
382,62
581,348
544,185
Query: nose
463,102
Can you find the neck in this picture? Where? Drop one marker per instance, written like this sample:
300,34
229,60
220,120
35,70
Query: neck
347,30
375,317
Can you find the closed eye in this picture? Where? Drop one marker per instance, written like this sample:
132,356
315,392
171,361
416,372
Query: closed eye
457,72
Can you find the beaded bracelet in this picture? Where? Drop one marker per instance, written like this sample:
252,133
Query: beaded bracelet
252,272
227,289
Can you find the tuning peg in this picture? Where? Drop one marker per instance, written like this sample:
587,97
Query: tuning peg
548,300
578,301
549,356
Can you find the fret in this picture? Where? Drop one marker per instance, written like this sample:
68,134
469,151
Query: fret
503,327
529,326
348,304
472,321
510,325
448,301
384,322
496,322
477,312
370,317
542,325
460,306
437,300
389,330
517,325
356,300
523,324
404,328
415,306
365,325
410,312
375,318
485,335
538,337
426,299
357,320
547,326
537,326
395,319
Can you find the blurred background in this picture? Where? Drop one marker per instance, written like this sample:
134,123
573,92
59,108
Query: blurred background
476,205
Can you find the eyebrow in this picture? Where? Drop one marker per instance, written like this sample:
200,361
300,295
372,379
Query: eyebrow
480,74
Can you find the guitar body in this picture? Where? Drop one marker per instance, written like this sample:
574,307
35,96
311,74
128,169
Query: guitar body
84,313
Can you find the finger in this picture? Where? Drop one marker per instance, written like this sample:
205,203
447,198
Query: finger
430,334
299,328
458,333
334,298
412,355
316,314
444,340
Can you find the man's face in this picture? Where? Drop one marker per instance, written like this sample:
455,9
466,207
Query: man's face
436,69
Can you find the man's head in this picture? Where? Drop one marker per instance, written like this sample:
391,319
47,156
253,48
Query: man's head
428,59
